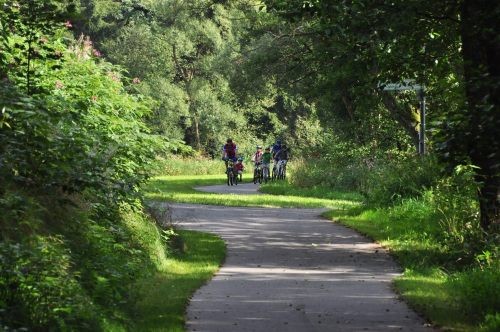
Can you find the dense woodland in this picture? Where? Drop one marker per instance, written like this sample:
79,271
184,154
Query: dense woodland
95,95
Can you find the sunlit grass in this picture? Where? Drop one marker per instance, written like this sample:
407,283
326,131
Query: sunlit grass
180,189
165,295
412,234
428,291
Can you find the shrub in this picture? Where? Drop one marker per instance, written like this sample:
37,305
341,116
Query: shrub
491,323
39,288
477,293
454,200
389,180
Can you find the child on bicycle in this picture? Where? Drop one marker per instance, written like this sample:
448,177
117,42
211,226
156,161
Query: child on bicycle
257,156
239,167
266,161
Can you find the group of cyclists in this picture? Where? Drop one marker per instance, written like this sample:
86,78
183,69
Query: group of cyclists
278,153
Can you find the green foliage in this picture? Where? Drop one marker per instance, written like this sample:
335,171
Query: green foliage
189,166
491,323
454,199
383,177
395,178
475,291
74,150
40,289
179,52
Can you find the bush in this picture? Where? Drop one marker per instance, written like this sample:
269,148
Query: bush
383,180
491,323
455,202
39,288
477,293
388,181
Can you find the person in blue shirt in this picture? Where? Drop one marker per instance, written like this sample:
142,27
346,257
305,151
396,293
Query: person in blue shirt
276,148
274,152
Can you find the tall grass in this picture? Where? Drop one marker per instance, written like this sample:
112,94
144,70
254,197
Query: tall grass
174,165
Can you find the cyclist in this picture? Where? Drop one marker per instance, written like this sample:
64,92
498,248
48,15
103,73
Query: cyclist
276,148
283,155
266,161
229,151
257,157
274,151
239,167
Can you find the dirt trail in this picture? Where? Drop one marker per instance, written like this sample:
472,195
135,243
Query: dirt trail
291,270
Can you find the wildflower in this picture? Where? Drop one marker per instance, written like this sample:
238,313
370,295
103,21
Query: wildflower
136,80
94,98
59,85
114,76
96,53
68,24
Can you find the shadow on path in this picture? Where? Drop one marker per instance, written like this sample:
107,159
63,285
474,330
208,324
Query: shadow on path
290,270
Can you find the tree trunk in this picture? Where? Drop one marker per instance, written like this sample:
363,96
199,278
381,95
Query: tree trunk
481,51
197,133
403,116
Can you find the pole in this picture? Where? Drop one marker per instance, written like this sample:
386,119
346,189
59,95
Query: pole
421,134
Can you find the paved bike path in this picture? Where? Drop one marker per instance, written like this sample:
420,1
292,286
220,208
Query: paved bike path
290,270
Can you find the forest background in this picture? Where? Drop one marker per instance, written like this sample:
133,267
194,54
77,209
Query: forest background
97,95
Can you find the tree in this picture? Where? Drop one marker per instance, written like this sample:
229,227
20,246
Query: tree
480,25
32,22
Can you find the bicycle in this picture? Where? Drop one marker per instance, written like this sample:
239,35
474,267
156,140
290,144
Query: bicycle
281,169
257,173
274,173
232,177
265,172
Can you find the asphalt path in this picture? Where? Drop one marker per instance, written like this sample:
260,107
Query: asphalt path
291,270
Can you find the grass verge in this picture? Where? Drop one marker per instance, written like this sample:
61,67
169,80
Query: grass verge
164,296
180,189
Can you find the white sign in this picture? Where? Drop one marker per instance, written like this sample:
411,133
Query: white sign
405,85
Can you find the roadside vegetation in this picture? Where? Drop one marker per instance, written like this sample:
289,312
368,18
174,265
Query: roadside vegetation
98,96
78,250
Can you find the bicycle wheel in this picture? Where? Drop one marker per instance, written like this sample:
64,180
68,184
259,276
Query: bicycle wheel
228,179
273,177
255,175
235,179
266,174
260,176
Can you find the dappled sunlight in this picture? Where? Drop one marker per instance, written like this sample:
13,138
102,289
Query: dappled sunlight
288,267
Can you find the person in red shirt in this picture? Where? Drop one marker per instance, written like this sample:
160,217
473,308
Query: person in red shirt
229,151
